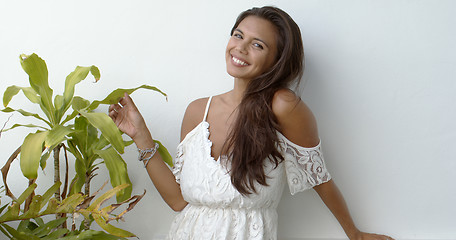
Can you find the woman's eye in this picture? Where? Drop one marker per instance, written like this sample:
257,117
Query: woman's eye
237,35
257,45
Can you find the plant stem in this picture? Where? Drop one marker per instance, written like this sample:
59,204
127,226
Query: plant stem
57,169
57,177
87,193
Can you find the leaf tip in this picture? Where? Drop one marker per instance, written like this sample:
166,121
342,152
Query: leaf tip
23,56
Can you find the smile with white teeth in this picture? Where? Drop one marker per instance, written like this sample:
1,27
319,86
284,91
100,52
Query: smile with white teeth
239,61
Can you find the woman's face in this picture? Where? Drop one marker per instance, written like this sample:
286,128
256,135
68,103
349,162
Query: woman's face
252,48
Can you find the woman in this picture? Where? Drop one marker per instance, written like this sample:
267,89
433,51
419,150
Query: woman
239,148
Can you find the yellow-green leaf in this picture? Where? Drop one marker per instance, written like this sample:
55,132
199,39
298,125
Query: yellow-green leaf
26,114
23,125
56,135
117,172
58,103
36,68
70,203
79,74
49,193
80,103
11,91
26,193
20,235
34,208
107,127
105,196
110,228
31,154
117,94
45,229
92,235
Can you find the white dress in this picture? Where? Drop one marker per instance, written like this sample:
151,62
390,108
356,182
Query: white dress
216,210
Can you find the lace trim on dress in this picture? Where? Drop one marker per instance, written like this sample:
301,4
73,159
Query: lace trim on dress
178,162
305,167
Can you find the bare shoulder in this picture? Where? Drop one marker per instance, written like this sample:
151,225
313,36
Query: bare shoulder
296,121
194,114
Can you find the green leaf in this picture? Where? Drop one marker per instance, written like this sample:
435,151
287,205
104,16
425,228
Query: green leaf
56,234
36,68
85,137
110,228
32,226
80,167
117,172
57,134
23,226
164,154
23,125
49,193
102,142
39,220
34,208
117,94
70,203
44,158
46,155
105,196
58,103
5,232
3,208
29,190
26,114
11,91
79,74
19,235
69,117
31,154
11,214
92,235
45,229
107,127
80,103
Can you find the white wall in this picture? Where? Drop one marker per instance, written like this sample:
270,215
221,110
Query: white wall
380,80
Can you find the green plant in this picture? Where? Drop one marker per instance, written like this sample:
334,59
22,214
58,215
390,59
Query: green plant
74,204
86,134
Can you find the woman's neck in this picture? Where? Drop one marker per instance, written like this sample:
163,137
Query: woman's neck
240,86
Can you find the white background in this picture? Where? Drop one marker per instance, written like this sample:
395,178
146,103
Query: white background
380,79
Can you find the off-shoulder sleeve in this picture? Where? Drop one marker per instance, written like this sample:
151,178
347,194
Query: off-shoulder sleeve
305,167
177,163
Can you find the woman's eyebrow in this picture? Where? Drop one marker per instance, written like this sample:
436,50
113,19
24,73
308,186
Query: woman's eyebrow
239,30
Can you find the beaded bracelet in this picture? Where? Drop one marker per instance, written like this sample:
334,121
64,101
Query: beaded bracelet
142,154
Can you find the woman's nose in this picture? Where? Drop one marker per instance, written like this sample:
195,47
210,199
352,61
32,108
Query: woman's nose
242,47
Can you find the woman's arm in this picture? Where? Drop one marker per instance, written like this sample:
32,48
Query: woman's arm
129,120
334,200
298,124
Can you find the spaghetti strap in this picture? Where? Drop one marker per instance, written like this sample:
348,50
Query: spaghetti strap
207,108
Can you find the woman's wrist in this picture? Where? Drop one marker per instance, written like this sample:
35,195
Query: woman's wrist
353,234
144,139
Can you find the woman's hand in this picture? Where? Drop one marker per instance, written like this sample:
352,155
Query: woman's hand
369,236
128,119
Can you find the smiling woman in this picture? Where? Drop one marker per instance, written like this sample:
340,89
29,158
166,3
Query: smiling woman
239,149
252,48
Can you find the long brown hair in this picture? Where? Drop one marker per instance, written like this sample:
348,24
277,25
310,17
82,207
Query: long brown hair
253,137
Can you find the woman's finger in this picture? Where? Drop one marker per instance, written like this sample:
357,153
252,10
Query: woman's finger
115,107
127,100
113,115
